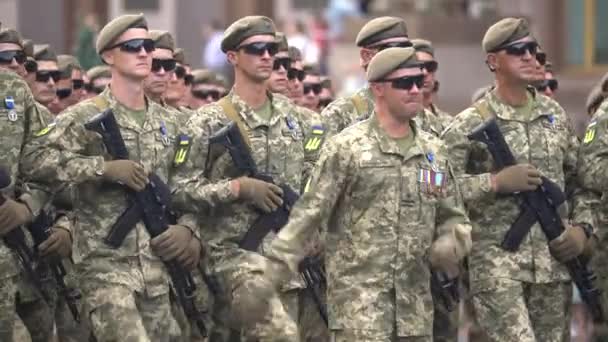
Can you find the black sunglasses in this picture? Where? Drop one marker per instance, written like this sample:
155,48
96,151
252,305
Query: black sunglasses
541,57
325,102
63,93
167,64
134,45
430,66
384,46
314,87
180,72
6,57
260,48
30,66
294,73
205,94
77,84
519,49
406,83
551,84
44,75
284,62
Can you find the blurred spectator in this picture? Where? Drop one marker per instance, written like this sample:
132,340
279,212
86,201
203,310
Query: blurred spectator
320,37
85,44
297,36
337,11
213,57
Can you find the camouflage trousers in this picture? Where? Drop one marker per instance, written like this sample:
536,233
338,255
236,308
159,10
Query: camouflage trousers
68,330
601,330
311,324
247,302
116,313
24,314
202,300
510,310
38,314
8,312
373,336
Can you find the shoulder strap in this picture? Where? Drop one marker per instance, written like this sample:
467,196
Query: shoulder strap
360,104
484,109
232,115
101,103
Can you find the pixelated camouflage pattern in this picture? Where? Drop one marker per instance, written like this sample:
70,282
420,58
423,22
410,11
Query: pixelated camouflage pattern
545,140
381,221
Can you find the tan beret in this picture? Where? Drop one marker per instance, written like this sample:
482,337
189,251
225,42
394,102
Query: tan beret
8,35
201,76
389,60
379,29
423,45
43,52
179,56
162,39
504,32
295,54
244,28
98,72
282,41
28,47
116,27
65,64
594,99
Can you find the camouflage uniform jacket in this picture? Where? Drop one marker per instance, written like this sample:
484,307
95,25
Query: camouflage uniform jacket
204,181
383,213
430,122
545,140
21,121
73,155
593,163
343,111
315,133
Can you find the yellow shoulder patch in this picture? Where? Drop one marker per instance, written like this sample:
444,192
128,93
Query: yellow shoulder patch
315,140
183,147
590,133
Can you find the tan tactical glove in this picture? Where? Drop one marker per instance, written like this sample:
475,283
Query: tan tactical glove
126,172
516,178
12,215
570,244
59,243
172,243
191,256
265,196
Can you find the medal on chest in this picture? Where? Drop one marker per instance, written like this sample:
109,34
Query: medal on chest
9,103
432,181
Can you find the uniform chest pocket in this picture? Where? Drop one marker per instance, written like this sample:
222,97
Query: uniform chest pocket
377,182
548,142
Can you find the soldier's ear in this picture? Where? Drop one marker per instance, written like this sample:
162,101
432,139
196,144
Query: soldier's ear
491,61
232,57
107,57
365,56
377,88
